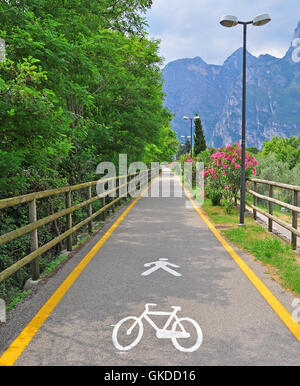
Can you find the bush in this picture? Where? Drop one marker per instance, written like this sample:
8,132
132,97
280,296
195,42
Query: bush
272,169
223,174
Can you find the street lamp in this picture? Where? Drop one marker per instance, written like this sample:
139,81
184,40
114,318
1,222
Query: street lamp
185,138
232,21
191,119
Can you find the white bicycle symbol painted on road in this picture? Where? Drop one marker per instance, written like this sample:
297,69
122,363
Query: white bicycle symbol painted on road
176,332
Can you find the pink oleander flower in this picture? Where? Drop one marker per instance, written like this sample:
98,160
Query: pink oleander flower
221,171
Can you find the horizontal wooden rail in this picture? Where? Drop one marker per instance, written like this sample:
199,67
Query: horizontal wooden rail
276,219
38,252
32,227
277,184
274,201
13,201
46,220
294,208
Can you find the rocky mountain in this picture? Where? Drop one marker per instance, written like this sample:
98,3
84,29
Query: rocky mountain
215,93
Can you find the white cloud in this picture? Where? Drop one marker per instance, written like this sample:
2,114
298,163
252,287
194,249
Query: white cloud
189,28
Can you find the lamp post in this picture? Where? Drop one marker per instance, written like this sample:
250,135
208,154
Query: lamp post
191,119
185,138
232,21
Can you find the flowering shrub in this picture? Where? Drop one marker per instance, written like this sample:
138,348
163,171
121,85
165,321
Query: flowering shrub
193,161
223,173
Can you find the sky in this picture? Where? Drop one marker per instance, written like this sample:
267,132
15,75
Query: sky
190,28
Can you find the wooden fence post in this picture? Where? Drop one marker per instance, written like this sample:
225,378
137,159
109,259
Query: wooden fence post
128,186
121,182
69,219
34,243
270,222
254,201
124,181
90,210
113,207
295,220
103,205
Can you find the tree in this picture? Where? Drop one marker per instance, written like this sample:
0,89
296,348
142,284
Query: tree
82,83
169,144
285,149
199,139
252,150
165,150
80,79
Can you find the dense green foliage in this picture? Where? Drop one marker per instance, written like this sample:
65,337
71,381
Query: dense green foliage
285,149
279,161
82,83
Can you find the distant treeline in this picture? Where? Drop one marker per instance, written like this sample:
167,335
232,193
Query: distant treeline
279,160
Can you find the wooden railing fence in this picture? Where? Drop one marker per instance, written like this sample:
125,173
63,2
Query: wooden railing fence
34,224
294,207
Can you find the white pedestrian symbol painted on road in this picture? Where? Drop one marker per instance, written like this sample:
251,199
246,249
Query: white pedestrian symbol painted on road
163,264
177,332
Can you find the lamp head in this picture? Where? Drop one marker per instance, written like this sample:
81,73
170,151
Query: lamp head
261,19
229,21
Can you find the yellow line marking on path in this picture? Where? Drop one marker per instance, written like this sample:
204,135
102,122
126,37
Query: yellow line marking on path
20,343
280,310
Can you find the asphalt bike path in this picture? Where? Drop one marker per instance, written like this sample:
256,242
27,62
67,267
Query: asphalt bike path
161,290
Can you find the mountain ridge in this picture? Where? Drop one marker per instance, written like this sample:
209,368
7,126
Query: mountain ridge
215,93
